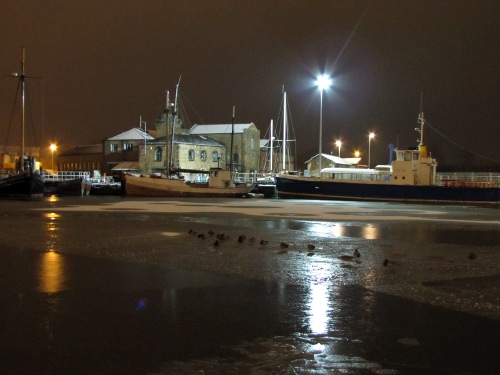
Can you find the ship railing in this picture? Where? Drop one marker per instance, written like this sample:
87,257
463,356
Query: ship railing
102,180
65,175
257,177
468,179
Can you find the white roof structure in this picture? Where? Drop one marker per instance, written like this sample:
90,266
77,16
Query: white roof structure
133,134
337,160
219,128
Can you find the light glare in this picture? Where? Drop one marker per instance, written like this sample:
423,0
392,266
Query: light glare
323,82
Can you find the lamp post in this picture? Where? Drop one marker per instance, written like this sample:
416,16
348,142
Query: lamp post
370,136
323,82
339,144
53,147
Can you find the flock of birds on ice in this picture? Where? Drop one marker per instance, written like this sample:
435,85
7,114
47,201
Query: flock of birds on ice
221,237
218,238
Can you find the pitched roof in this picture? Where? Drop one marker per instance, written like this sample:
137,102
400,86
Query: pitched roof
86,149
133,134
219,128
194,139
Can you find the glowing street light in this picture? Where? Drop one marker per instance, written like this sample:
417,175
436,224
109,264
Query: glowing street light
370,136
53,147
323,82
339,144
357,154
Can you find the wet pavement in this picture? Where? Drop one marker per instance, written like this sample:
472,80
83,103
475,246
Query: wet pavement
116,285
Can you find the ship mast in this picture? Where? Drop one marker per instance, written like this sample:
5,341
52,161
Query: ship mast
171,155
22,80
285,127
167,131
421,121
232,136
271,148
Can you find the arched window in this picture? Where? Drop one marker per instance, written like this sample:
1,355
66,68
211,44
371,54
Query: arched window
203,155
214,155
158,154
191,155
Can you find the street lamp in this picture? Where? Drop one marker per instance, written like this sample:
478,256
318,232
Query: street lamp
338,143
53,147
323,82
370,136
356,154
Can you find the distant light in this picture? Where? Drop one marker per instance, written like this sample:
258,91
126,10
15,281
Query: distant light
371,135
53,147
323,82
338,143
356,154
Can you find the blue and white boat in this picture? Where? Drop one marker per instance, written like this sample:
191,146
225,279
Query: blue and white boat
411,177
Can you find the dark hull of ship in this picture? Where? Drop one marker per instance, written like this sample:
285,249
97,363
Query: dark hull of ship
73,187
267,190
22,186
309,188
106,189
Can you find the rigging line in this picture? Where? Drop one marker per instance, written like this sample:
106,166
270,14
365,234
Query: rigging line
458,145
184,97
352,34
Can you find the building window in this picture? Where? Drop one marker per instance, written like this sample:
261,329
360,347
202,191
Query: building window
128,146
251,143
203,155
113,147
214,155
191,155
158,154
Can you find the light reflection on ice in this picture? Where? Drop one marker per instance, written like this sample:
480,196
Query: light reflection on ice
52,230
337,230
171,234
51,274
319,304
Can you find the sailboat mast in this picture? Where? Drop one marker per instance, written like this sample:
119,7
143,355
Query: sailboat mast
271,139
171,156
285,127
232,136
145,131
23,101
167,130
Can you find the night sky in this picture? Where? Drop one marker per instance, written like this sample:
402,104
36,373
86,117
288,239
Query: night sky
105,63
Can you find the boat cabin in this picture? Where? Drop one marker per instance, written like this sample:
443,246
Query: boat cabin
220,178
414,167
377,174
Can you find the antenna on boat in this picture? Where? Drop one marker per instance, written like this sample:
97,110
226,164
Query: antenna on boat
421,121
